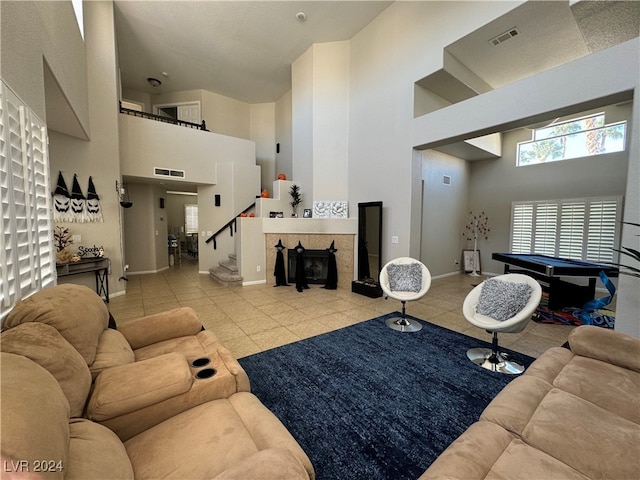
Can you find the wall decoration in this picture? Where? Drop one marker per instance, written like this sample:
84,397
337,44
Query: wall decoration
61,201
78,202
276,215
306,213
91,252
94,211
339,209
321,209
471,261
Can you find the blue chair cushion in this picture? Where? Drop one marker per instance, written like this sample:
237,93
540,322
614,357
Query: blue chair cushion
502,300
405,277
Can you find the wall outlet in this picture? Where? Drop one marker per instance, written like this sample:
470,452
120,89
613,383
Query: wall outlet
258,268
76,239
394,239
456,262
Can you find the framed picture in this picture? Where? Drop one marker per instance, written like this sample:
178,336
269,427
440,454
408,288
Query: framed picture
276,215
469,261
306,213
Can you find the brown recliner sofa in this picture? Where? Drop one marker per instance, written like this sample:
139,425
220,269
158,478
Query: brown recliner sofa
166,425
573,414
146,371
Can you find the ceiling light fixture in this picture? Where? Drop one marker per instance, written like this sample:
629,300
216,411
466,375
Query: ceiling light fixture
154,82
301,17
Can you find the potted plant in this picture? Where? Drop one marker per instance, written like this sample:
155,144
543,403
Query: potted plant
296,198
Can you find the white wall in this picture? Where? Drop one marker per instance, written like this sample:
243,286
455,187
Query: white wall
26,42
263,133
403,44
283,117
444,209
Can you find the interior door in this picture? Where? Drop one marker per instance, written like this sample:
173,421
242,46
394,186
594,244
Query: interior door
189,113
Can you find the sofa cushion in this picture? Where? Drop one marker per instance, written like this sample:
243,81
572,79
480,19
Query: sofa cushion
586,437
44,345
35,416
502,300
487,451
76,311
113,350
213,437
95,452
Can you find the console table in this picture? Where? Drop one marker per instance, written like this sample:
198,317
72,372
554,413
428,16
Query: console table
100,266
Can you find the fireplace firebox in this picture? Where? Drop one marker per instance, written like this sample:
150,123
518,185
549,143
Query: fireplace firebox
315,265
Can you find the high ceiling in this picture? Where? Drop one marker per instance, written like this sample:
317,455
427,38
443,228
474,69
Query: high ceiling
244,49
240,49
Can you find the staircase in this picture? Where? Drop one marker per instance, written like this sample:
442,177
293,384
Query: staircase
226,273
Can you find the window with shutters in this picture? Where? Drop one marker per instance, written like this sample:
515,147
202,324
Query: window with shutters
27,260
191,219
583,229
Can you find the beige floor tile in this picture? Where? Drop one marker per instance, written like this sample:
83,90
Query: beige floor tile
255,318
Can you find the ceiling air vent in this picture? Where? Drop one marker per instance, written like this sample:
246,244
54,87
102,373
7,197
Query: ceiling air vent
167,172
503,37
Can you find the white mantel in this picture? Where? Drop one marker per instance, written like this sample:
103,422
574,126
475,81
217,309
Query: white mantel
310,225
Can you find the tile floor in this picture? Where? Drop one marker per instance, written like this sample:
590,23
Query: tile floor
255,318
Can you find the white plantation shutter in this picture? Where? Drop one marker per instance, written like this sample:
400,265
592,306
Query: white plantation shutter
572,226
602,231
582,229
546,229
26,245
521,228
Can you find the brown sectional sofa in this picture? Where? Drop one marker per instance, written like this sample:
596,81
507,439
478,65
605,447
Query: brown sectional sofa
95,402
573,414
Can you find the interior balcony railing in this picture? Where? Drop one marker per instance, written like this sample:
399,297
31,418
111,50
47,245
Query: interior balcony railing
232,225
160,118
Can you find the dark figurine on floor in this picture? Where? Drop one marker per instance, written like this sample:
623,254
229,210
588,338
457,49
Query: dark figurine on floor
301,278
332,268
280,272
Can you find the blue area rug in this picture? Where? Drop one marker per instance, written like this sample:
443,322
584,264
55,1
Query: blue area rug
367,402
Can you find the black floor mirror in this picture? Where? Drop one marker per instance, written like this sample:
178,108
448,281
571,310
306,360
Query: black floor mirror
369,250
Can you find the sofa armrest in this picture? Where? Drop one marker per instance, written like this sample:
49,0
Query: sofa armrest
128,388
143,331
607,346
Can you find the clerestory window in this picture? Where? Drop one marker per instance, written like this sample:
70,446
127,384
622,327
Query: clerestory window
580,137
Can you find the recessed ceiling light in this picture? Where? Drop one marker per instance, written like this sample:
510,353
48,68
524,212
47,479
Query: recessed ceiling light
154,82
301,16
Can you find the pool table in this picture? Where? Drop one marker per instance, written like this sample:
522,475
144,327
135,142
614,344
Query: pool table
547,269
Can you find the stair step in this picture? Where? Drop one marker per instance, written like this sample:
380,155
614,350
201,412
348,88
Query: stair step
225,277
230,265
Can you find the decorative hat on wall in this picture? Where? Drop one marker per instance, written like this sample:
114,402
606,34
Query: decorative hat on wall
94,212
78,202
61,201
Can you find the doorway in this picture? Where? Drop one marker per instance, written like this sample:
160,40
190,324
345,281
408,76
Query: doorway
185,111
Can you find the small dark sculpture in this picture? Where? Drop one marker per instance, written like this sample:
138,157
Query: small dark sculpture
279,271
332,268
301,279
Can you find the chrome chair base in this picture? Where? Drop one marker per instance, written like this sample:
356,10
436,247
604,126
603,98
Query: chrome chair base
403,324
494,361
